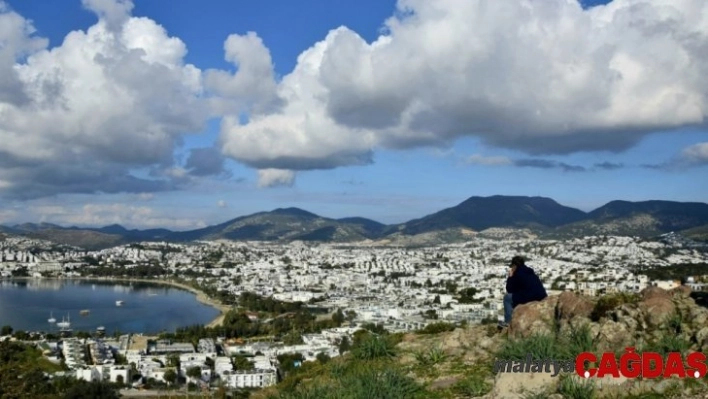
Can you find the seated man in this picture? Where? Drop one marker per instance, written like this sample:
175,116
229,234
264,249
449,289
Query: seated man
522,286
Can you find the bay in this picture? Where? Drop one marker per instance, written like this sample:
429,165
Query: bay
150,308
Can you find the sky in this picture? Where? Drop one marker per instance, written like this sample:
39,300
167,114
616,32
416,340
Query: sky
188,113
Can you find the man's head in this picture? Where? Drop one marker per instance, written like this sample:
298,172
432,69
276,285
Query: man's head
516,261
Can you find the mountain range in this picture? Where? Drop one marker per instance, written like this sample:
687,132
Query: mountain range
537,216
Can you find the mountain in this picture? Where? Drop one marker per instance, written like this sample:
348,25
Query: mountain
645,218
480,213
286,224
487,216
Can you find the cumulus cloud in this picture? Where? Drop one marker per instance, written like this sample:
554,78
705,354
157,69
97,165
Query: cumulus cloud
696,154
252,88
542,77
275,178
110,99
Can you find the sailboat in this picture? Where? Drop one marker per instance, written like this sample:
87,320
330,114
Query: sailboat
65,324
51,318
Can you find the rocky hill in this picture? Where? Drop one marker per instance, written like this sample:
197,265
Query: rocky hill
436,363
495,216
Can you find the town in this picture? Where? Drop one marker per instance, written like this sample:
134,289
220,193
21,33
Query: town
345,287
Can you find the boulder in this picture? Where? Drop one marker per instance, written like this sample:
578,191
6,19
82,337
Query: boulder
682,291
533,318
571,305
654,292
612,336
702,338
657,309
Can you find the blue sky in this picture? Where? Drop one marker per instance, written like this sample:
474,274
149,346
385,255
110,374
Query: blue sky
449,105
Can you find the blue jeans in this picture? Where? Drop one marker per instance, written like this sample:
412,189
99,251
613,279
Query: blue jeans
508,308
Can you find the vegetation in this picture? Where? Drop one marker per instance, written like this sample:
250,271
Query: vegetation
549,346
23,374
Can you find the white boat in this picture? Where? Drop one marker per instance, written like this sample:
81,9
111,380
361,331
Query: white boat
65,324
51,318
119,303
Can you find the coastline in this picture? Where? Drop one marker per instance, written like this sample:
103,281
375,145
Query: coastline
200,295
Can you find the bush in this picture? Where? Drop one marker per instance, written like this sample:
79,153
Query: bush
549,346
374,347
437,328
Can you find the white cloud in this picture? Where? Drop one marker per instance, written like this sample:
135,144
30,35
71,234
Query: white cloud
115,97
696,154
543,77
102,214
253,86
275,177
477,159
222,204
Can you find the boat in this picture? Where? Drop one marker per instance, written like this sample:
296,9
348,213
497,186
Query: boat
119,303
85,312
51,318
65,325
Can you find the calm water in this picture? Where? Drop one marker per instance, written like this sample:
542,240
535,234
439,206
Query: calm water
149,308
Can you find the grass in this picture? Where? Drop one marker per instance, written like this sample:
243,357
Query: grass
549,346
375,347
572,388
431,357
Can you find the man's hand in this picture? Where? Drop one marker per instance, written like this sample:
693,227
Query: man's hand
511,272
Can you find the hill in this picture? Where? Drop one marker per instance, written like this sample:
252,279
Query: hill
476,361
480,213
286,224
493,217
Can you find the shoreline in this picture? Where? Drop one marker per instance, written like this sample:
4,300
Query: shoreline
200,295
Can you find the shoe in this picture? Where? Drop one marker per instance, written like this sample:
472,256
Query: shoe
502,325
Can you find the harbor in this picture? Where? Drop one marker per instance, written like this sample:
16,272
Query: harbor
68,306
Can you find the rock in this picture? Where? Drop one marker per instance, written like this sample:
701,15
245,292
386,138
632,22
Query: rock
682,291
698,316
654,292
533,318
702,338
519,385
571,305
613,336
657,309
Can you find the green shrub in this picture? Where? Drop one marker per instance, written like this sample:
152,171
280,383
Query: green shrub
436,328
374,347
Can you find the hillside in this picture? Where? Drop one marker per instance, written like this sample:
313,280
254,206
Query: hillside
480,213
491,217
439,363
286,224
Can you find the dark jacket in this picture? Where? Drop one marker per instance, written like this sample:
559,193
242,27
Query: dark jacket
525,286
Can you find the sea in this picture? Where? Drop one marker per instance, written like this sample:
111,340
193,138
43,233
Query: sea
28,304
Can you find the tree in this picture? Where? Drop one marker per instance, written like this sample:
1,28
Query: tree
94,390
6,330
173,361
344,345
241,363
170,376
338,317
194,372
